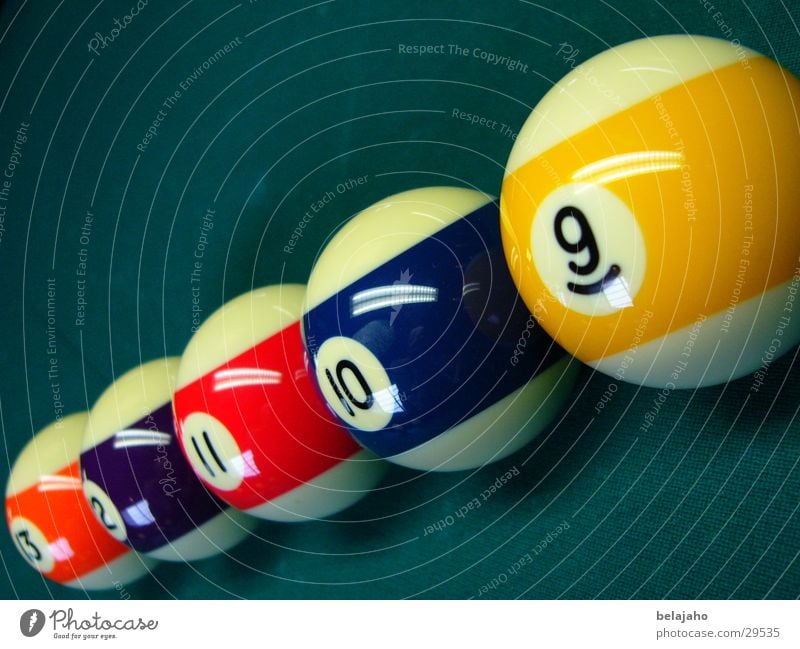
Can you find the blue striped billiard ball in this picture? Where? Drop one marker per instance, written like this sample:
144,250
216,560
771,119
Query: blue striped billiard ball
419,341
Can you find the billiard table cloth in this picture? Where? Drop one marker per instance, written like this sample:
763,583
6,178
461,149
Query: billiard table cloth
159,159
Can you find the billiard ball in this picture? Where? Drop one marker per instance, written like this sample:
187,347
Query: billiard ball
137,481
51,523
649,211
419,340
251,422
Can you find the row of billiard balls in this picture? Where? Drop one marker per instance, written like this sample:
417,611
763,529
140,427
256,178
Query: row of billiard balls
179,456
648,223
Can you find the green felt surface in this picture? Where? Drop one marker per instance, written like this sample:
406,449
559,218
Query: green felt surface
310,95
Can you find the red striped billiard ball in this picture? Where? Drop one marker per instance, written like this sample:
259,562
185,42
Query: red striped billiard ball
250,419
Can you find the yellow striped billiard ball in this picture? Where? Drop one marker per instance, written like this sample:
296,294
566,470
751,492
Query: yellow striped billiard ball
649,211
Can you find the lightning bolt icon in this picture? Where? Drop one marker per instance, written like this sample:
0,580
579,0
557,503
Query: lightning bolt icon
32,620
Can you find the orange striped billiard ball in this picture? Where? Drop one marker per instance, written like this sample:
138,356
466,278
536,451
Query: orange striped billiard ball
650,211
53,526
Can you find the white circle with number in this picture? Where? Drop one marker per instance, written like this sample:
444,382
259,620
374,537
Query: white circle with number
588,249
105,510
355,384
32,544
212,451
